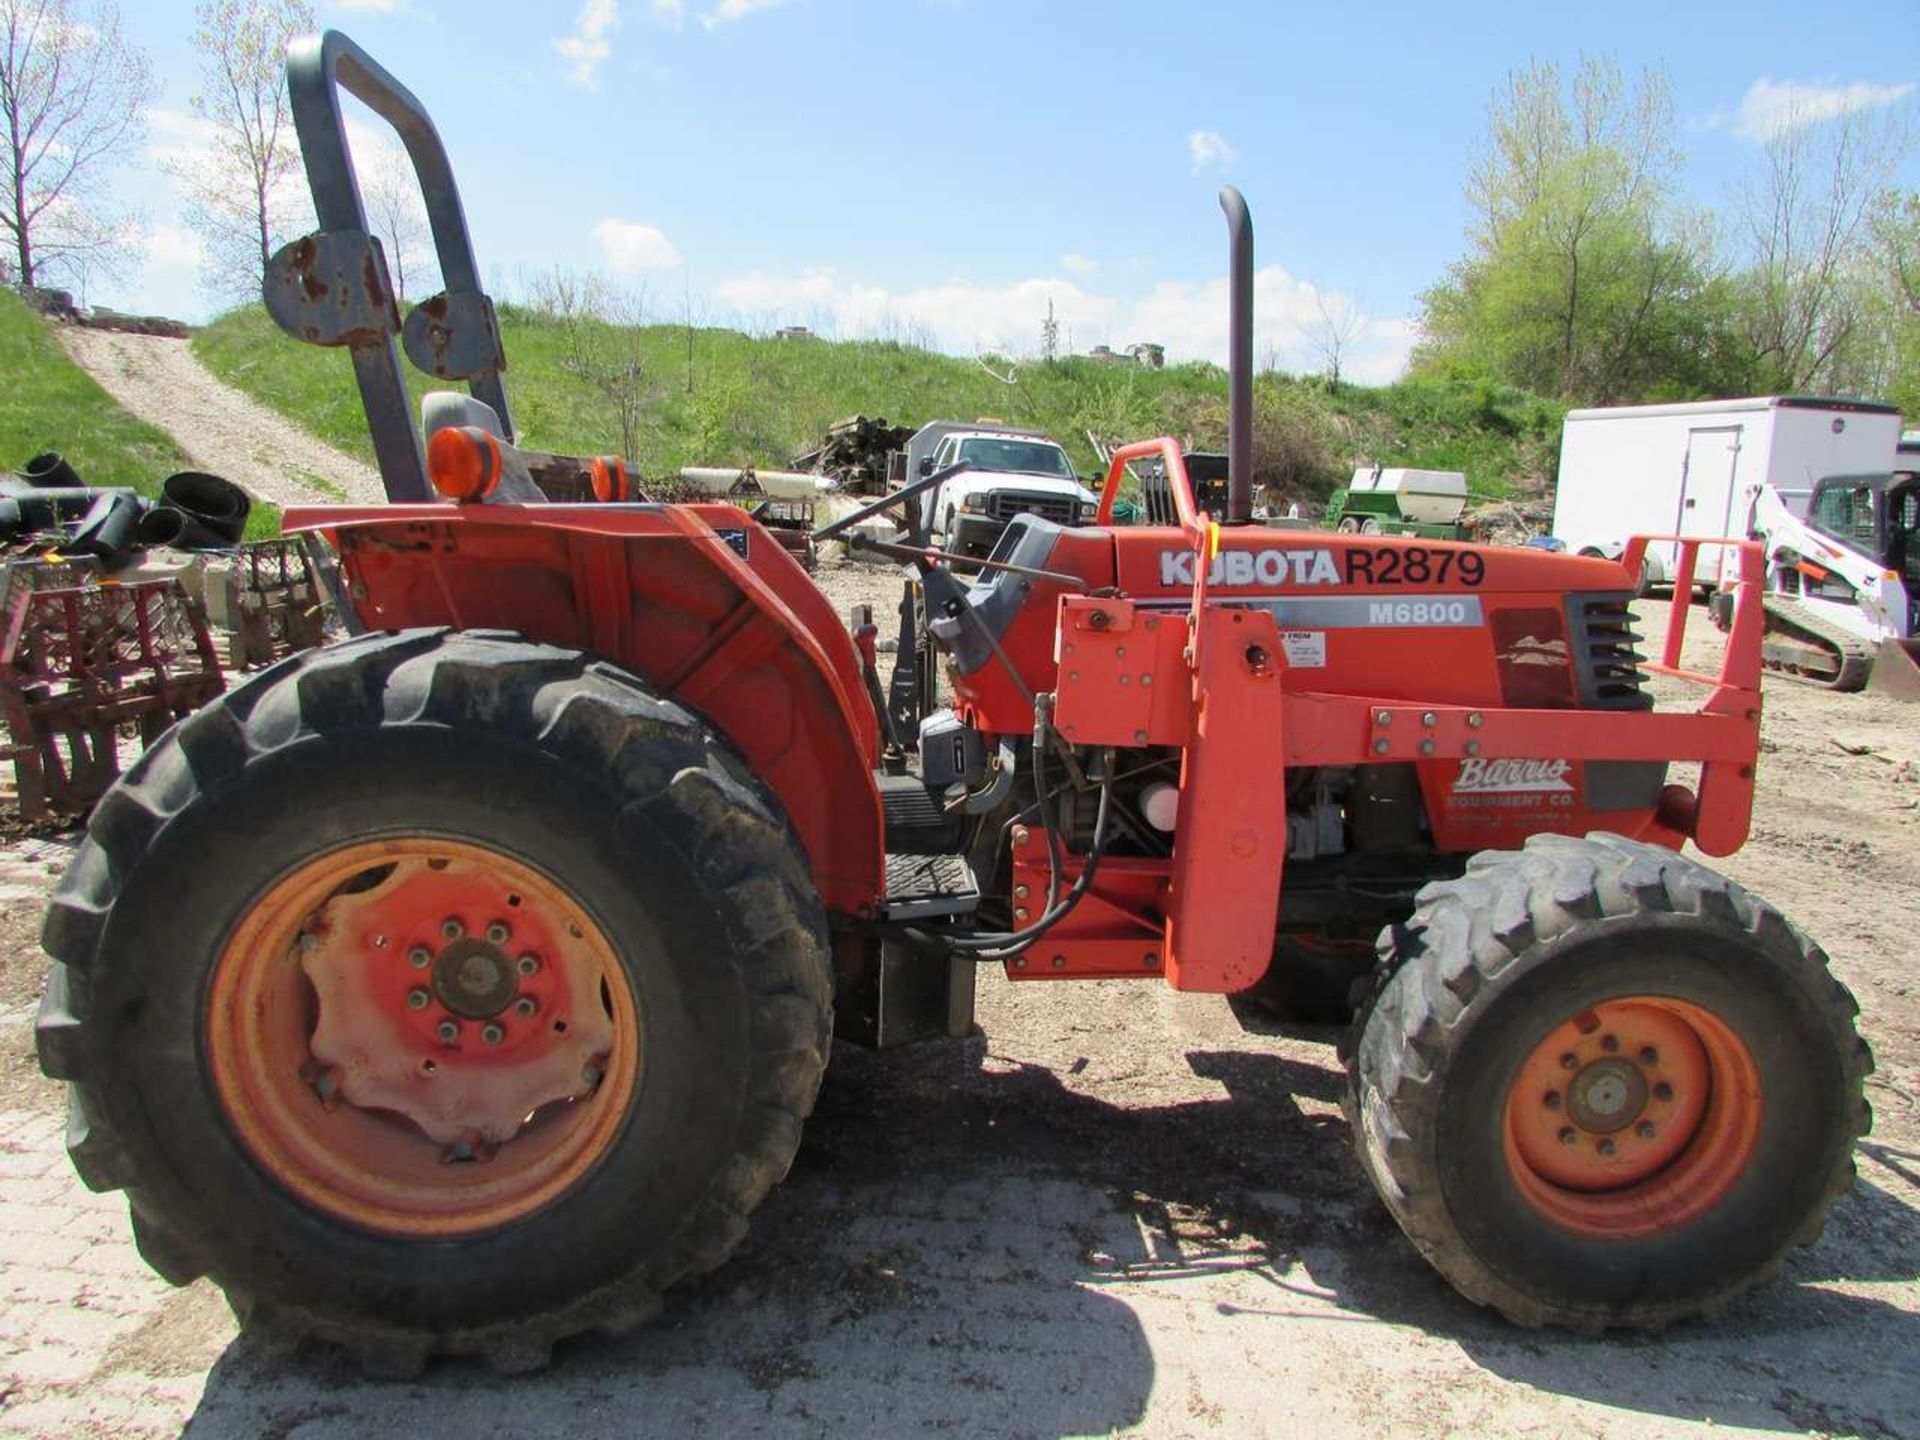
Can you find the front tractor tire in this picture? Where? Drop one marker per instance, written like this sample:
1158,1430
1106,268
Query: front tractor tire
1600,1085
437,993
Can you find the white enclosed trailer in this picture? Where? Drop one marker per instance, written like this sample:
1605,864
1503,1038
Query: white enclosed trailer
1697,468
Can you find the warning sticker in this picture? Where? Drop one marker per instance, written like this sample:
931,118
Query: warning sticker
1306,649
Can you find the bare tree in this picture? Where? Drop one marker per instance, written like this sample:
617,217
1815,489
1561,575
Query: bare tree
1341,323
242,195
1805,210
395,212
72,95
1050,335
601,344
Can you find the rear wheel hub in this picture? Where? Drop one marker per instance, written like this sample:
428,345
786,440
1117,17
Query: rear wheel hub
473,979
422,1036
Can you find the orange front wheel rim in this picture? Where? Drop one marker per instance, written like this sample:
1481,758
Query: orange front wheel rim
1633,1118
422,1037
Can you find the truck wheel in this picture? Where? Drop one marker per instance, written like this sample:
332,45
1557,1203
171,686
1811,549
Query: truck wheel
437,993
1603,1086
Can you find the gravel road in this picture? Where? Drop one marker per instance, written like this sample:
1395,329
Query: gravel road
1112,1210
221,430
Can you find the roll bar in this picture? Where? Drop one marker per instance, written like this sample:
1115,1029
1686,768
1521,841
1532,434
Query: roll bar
332,287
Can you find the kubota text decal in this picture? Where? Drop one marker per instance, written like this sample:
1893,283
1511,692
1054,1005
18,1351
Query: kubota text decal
1389,565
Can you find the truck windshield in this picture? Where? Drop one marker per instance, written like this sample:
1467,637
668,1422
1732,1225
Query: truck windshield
1027,457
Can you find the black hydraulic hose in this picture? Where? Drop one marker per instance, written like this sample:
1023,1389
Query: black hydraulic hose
1003,945
1023,940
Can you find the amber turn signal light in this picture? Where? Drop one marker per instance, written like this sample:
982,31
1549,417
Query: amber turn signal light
463,461
610,479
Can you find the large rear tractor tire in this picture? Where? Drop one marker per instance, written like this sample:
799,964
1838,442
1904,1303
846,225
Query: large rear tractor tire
437,993
1602,1086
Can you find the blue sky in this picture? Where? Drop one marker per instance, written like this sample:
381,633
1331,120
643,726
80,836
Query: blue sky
943,168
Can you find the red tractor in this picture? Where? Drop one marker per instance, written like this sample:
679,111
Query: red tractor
463,985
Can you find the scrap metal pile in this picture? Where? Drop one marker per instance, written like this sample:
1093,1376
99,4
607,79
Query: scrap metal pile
855,453
1509,522
80,661
105,597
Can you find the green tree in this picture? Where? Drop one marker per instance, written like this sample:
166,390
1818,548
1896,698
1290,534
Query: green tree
243,194
1888,289
1584,280
73,98
1804,212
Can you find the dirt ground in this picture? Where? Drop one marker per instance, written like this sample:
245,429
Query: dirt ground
220,429
1112,1210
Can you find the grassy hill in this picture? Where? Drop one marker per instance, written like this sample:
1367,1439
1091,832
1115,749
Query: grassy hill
720,397
50,403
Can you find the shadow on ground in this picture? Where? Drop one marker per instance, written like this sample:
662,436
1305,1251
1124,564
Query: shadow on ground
969,1245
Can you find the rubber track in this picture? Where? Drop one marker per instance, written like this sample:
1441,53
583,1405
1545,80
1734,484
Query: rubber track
1446,964
587,713
1853,661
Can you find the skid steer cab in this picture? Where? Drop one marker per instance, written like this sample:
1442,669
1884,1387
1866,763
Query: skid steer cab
504,939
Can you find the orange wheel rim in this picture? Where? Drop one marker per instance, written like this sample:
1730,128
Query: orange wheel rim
1633,1118
422,1037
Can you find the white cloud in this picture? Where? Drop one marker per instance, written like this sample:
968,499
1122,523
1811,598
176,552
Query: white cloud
729,10
1210,147
587,48
1772,107
170,130
1074,263
172,245
668,12
1189,318
630,246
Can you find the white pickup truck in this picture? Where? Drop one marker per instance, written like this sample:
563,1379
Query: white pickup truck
1008,472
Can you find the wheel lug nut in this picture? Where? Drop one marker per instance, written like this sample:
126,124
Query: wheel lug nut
419,957
417,999
526,1007
1663,1091
1569,1136
452,928
448,1030
1605,1147
492,1033
498,933
527,965
1551,1100
1569,1061
1609,1043
1649,1055
1644,1130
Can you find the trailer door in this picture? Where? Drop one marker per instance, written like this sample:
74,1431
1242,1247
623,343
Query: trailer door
1707,489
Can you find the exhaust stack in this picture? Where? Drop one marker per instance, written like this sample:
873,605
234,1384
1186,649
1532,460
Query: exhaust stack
1239,358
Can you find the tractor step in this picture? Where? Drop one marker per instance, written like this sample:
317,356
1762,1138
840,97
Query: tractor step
917,822
923,887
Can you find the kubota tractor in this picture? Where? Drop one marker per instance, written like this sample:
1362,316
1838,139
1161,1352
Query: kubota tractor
461,986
